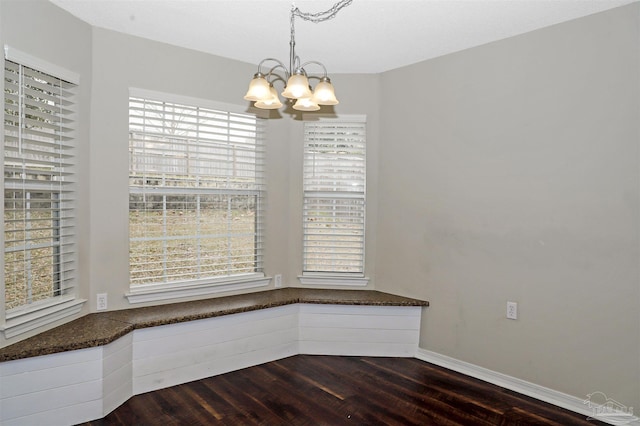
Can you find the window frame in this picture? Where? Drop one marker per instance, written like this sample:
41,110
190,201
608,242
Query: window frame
25,318
158,291
313,278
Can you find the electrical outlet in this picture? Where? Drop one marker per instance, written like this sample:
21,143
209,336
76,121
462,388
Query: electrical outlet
512,310
101,302
277,279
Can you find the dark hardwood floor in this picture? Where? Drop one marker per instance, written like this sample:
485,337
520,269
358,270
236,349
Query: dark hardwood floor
329,390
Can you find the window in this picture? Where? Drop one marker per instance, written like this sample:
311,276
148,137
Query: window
195,194
334,177
39,194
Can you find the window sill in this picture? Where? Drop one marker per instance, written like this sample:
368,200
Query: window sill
157,292
338,280
29,319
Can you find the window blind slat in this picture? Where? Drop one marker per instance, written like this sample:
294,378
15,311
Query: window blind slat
37,135
45,123
40,76
34,107
12,139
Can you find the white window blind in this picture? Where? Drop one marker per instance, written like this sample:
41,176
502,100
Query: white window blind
334,177
195,192
39,222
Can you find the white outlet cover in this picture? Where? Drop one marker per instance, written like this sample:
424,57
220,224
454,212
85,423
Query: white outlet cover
101,301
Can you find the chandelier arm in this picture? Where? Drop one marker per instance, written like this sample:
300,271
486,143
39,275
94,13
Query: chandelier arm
313,62
272,76
272,72
279,65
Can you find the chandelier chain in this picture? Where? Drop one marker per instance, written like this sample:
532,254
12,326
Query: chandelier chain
322,16
313,17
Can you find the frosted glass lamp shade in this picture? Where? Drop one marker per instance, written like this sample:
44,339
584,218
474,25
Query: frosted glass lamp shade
273,102
324,94
258,89
306,104
297,87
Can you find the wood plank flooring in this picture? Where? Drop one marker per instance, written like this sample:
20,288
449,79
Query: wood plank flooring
330,390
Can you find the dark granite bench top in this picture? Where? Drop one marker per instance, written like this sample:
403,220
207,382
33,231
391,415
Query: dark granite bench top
99,329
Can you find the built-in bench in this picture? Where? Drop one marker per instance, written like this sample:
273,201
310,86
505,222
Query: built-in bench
86,368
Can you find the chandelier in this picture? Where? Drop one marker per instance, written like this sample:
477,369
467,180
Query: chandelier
297,87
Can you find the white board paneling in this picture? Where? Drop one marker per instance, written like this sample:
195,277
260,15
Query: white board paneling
405,350
51,400
223,321
212,368
192,351
62,416
360,335
410,311
190,356
78,386
50,379
359,330
117,372
182,335
49,361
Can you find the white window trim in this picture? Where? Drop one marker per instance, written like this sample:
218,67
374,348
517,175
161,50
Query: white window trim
318,279
186,100
155,292
30,61
23,320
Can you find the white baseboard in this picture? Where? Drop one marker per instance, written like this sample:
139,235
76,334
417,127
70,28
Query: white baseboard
541,393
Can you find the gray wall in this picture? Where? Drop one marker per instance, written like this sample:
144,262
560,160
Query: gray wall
50,34
516,176
110,63
121,62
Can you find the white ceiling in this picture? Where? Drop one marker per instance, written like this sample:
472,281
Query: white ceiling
368,36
